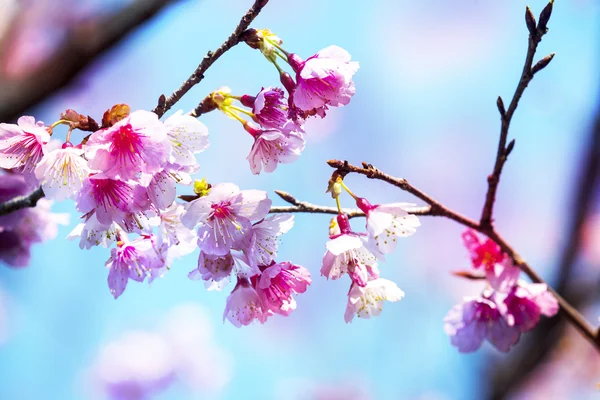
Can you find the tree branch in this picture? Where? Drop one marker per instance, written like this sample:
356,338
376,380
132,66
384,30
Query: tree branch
511,375
21,202
437,209
535,37
306,207
83,45
164,104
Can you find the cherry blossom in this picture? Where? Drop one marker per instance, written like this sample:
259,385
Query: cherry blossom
526,303
137,144
213,270
243,305
387,222
224,216
324,79
93,233
22,146
266,233
349,253
271,110
477,319
272,147
277,284
367,301
61,172
188,136
130,260
498,267
114,201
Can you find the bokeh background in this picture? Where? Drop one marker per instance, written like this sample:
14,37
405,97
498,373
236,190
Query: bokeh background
424,109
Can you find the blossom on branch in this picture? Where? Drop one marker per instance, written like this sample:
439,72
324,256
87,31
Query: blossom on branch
62,171
136,144
323,80
387,222
366,301
22,146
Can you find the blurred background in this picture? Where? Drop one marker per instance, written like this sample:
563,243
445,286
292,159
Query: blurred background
424,109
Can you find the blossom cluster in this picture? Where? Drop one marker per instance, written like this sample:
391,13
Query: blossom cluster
277,123
232,244
357,254
123,178
505,309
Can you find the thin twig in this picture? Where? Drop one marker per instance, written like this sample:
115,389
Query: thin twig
508,377
164,104
437,209
21,202
82,46
535,36
298,206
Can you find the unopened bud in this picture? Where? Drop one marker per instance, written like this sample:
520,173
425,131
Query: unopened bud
287,81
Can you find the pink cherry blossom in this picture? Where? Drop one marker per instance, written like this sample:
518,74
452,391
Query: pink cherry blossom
243,305
114,201
348,253
387,222
272,147
188,136
130,260
61,172
93,233
162,187
499,269
224,216
324,79
22,145
277,284
266,234
137,144
478,319
526,303
367,301
271,111
213,270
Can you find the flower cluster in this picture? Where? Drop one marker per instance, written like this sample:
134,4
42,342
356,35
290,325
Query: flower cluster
20,229
357,254
506,308
231,244
277,123
123,179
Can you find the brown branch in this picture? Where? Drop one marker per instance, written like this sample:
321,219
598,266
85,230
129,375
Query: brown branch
83,45
164,104
437,209
21,202
511,375
298,206
535,37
